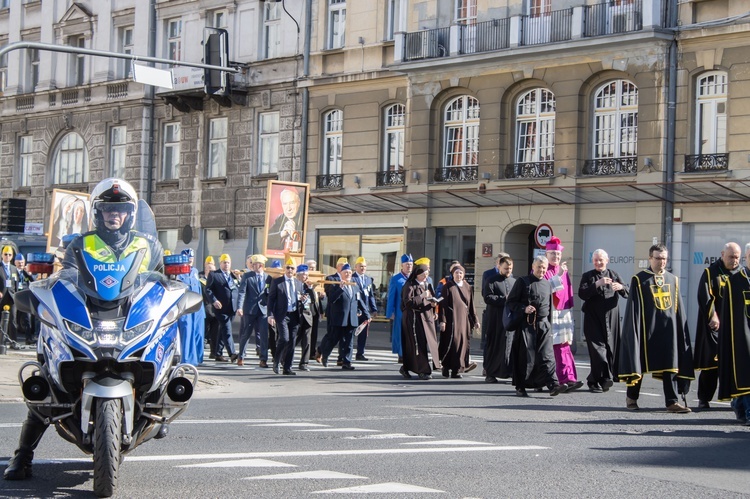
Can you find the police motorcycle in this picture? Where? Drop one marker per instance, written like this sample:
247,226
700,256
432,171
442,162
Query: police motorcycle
108,374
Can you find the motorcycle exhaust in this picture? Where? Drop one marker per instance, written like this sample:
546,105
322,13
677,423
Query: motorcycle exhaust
180,389
35,388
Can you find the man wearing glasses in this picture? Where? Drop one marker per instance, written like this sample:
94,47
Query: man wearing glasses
283,313
655,335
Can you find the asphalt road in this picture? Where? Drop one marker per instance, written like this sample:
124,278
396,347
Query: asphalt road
248,433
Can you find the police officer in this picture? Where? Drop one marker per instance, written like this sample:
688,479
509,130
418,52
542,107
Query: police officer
114,204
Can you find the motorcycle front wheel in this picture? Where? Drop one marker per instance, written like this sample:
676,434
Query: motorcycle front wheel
107,439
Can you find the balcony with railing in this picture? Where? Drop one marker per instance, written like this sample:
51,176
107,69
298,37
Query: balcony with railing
566,25
610,166
551,27
609,19
456,174
706,163
535,170
426,44
329,181
390,178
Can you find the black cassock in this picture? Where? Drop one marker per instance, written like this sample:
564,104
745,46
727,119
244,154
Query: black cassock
601,322
497,352
655,337
734,338
533,355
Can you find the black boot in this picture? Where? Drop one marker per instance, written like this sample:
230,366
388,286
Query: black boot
19,466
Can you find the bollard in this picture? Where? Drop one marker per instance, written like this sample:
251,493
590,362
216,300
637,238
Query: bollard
4,327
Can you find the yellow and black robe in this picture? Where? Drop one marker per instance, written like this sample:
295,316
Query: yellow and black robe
734,338
711,294
655,337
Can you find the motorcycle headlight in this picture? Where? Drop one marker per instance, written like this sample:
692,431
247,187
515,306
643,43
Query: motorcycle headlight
132,333
80,331
108,332
45,315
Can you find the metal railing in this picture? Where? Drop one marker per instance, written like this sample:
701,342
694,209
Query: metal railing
457,174
390,177
485,36
706,162
556,26
329,181
117,90
427,44
610,166
541,169
52,99
606,19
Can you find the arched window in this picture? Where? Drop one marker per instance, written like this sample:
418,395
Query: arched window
535,126
393,139
711,113
70,160
461,133
333,123
616,121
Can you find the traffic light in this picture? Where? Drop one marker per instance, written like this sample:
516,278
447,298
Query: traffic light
215,53
13,215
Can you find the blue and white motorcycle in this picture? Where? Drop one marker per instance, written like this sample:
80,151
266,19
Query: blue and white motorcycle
107,374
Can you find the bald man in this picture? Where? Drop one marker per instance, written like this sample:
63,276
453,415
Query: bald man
711,293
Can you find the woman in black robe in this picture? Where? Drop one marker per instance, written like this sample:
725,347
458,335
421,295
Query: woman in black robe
418,324
457,319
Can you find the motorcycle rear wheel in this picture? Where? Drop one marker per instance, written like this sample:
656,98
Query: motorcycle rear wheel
107,440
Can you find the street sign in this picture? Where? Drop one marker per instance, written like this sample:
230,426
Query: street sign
184,78
152,76
542,234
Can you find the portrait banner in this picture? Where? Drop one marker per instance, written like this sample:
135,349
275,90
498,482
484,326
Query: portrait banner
286,218
69,214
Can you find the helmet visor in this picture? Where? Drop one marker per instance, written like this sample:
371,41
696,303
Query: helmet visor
118,207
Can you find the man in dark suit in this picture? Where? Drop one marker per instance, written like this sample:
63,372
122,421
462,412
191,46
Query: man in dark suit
252,307
8,282
283,313
344,307
223,290
309,308
367,292
328,287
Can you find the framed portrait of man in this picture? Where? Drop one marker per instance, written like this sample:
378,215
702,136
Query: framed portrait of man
286,218
69,214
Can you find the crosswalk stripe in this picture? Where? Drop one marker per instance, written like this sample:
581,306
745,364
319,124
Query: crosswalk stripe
318,474
241,463
381,488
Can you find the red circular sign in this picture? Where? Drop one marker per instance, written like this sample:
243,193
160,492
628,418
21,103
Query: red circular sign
542,234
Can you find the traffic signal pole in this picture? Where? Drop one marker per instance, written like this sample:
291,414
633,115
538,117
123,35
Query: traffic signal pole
104,53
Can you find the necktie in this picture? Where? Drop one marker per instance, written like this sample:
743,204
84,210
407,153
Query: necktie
348,290
290,295
259,281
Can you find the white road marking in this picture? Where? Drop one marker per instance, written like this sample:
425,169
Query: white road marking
642,393
319,475
10,425
446,442
381,488
361,430
241,463
228,421
384,436
292,425
334,453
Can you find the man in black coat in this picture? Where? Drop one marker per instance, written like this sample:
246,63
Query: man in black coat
600,290
497,352
711,295
345,304
223,290
283,313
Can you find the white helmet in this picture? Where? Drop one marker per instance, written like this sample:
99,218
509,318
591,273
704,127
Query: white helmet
114,193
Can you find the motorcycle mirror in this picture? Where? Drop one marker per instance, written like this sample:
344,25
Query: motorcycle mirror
192,302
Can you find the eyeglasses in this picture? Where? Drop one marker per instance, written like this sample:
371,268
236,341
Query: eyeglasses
7,254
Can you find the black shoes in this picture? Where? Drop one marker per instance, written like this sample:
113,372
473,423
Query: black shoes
404,373
595,388
424,376
556,390
289,372
521,392
490,379
703,405
362,358
607,384
456,375
445,372
573,385
233,358
276,368
303,367
347,367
